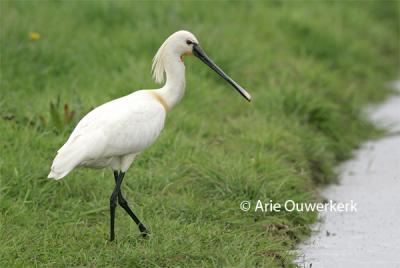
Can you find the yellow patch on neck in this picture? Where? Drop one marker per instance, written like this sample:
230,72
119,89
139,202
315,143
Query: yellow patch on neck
161,100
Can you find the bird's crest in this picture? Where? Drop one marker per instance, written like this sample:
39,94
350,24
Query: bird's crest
158,67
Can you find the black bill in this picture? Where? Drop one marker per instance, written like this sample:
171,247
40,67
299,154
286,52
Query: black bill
198,52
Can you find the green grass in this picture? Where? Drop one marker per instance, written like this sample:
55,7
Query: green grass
310,67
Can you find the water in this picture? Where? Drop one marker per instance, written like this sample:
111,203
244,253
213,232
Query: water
369,237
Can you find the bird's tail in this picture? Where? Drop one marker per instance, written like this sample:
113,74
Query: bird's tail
64,162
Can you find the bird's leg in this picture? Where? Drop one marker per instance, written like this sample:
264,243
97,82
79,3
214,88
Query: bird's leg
124,204
113,204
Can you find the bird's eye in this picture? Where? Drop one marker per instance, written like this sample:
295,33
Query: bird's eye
189,42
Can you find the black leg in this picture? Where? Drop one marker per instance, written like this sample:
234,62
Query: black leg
113,204
124,204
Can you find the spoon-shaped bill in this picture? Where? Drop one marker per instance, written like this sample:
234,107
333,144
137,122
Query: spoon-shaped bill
198,52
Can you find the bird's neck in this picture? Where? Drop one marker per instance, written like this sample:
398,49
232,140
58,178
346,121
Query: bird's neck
174,89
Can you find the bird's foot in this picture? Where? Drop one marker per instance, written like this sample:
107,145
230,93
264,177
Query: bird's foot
143,231
112,237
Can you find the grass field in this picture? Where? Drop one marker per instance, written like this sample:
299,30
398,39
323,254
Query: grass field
310,67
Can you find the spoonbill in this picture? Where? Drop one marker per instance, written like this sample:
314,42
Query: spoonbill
113,134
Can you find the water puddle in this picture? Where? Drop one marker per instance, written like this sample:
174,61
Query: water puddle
369,237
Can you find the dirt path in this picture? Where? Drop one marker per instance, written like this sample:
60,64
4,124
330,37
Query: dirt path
369,237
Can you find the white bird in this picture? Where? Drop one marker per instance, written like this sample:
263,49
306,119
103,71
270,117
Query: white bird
113,134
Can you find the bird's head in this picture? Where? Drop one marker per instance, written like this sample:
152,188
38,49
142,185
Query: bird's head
183,43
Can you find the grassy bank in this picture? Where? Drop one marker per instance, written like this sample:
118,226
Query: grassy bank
310,67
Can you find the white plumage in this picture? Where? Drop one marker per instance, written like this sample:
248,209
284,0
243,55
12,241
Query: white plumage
113,134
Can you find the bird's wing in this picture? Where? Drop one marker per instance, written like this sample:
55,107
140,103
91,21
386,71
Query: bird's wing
124,126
